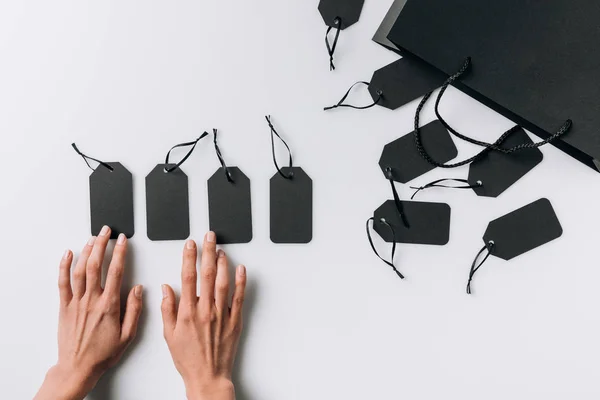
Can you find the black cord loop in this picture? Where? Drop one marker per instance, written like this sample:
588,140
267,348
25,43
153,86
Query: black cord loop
274,133
475,267
220,157
341,102
399,207
439,185
488,146
86,158
193,144
390,263
331,48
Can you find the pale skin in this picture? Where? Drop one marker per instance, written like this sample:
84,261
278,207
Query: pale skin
202,333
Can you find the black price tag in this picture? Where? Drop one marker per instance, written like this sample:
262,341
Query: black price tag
111,200
404,159
498,171
167,204
523,230
347,12
428,223
291,206
229,206
403,81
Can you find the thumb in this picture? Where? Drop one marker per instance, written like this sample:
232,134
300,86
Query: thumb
133,310
169,310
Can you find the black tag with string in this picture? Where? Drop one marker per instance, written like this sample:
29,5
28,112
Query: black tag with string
111,197
167,198
498,171
339,15
291,199
426,223
396,84
518,232
406,163
229,203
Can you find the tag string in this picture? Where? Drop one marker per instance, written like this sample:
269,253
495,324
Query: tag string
273,134
438,184
220,157
475,267
390,263
399,206
87,158
193,144
341,102
488,146
331,47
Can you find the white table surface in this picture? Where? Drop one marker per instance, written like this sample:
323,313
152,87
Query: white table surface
126,80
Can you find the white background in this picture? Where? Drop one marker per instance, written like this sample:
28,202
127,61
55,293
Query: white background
126,80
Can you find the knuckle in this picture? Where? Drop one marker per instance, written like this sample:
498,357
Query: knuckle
93,265
79,273
222,286
209,273
239,301
189,277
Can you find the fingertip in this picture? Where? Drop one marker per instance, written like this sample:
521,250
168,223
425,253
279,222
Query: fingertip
241,271
121,240
165,291
210,237
67,255
138,291
190,245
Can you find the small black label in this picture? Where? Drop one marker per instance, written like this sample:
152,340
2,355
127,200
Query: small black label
291,207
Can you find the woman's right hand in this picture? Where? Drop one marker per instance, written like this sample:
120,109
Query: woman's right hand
203,332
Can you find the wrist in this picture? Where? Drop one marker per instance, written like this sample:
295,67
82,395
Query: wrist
65,384
218,389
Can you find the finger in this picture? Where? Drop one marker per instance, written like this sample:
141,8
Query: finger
114,276
208,272
93,271
189,274
222,283
79,272
64,278
169,310
239,294
133,310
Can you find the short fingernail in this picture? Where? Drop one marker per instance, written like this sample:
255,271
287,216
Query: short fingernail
241,270
104,230
165,291
190,244
138,291
211,237
67,254
220,253
91,241
121,239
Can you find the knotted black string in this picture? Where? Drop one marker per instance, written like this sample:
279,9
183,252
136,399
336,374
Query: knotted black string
390,263
193,144
488,146
86,158
341,102
220,157
274,133
399,206
331,48
439,181
475,267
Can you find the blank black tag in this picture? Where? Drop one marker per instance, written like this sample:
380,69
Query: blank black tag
167,204
230,207
111,200
405,161
348,11
429,223
498,171
523,230
403,81
291,207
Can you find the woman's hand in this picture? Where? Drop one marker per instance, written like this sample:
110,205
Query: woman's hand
203,333
91,336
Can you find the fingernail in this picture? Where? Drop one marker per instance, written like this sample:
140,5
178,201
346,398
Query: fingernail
121,239
165,291
67,254
220,253
137,291
241,270
104,230
190,244
211,237
91,241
